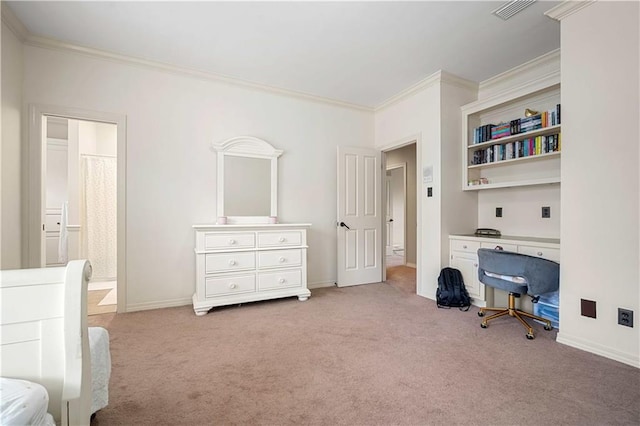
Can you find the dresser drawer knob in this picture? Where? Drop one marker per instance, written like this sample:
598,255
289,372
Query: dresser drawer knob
539,253
232,262
231,241
232,286
282,239
464,246
282,260
281,280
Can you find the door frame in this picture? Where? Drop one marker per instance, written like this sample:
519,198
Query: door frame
417,140
34,184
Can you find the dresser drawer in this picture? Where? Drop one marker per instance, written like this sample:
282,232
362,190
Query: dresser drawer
467,246
279,239
505,247
282,279
226,262
279,258
218,286
543,252
213,241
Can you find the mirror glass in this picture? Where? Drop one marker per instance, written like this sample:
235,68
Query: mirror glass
247,186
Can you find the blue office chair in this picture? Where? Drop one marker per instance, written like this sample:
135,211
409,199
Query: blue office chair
518,274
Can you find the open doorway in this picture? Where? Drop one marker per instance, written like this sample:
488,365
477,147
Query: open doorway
401,217
80,203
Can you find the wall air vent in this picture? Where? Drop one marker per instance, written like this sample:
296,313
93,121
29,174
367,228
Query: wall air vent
509,9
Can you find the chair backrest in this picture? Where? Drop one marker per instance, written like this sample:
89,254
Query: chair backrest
541,275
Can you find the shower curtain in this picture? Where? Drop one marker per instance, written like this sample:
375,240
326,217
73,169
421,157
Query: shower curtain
98,215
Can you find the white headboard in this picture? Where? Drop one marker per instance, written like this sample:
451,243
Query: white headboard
43,335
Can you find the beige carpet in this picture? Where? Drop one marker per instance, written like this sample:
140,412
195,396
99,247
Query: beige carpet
365,355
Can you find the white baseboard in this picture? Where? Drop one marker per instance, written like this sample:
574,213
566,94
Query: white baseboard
145,306
411,265
320,285
588,346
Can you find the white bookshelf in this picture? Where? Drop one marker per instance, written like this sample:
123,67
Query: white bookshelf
540,95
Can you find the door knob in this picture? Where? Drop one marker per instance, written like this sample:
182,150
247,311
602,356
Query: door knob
344,225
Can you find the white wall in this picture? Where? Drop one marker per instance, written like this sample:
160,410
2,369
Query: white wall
10,154
171,121
431,117
600,179
521,210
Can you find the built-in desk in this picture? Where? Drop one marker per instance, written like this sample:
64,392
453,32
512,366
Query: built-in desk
463,255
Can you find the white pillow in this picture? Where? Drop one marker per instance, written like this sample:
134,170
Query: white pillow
24,403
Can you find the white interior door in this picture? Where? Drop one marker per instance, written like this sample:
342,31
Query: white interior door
359,216
389,217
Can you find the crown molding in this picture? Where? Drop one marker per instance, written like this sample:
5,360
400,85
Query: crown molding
13,23
47,43
567,8
435,78
552,56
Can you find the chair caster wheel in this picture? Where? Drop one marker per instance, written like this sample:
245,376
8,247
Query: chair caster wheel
530,336
483,325
548,327
480,314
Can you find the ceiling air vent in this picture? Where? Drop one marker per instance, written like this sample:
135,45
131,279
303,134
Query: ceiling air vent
509,9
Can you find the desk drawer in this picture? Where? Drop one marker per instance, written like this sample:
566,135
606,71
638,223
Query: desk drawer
219,286
279,239
226,262
282,279
466,246
543,252
214,241
505,247
279,258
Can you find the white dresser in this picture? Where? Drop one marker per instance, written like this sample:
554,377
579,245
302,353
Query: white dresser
463,255
246,263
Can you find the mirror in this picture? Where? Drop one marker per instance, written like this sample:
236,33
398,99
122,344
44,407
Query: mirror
247,180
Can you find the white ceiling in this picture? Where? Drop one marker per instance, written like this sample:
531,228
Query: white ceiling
358,52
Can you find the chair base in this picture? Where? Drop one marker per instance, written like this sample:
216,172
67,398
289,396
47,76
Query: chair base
513,312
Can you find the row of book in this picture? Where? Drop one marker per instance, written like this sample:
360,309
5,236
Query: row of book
517,149
520,125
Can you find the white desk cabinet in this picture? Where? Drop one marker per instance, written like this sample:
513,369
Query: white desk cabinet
246,263
463,255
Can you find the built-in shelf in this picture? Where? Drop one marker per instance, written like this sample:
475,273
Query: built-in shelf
516,160
551,130
539,95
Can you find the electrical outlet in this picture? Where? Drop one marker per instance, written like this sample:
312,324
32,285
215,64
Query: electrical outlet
546,212
625,317
498,211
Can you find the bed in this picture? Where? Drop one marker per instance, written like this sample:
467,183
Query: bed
44,341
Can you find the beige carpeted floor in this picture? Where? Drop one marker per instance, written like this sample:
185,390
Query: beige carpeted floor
368,355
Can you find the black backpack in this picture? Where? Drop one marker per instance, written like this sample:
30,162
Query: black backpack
451,291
